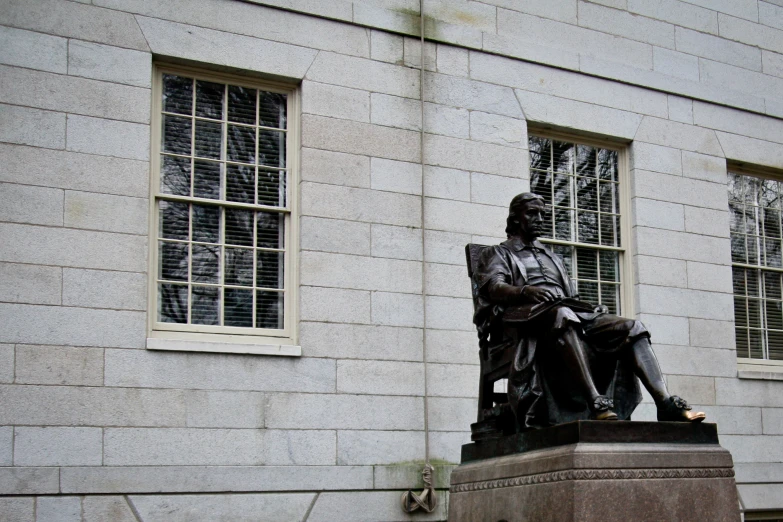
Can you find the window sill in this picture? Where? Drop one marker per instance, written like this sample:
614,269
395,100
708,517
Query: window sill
245,346
760,369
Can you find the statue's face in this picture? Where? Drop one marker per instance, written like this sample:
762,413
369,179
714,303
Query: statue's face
531,219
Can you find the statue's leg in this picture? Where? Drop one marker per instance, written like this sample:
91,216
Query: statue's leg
646,367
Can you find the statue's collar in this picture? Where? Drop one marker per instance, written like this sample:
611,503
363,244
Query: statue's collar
517,243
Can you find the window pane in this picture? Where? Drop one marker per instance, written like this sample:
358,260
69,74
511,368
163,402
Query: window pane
540,153
239,227
206,223
177,94
239,266
204,305
173,261
607,164
172,303
205,264
238,307
270,270
240,183
241,144
209,99
271,187
563,157
208,139
175,176
271,148
272,110
174,220
586,264
269,309
270,230
241,104
588,291
206,182
177,134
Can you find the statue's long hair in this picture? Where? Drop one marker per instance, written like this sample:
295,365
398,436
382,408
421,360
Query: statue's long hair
517,205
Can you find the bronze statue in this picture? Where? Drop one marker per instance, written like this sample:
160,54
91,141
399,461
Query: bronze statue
568,360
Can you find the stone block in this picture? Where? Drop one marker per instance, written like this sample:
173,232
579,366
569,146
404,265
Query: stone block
758,472
577,115
183,447
334,305
750,150
677,136
442,151
76,20
30,165
108,137
449,313
101,509
224,409
701,166
737,122
380,377
56,92
735,78
335,168
494,190
679,13
344,412
451,184
408,475
452,380
743,8
18,509
334,235
398,21
335,102
498,129
343,341
771,15
33,127
300,447
284,507
360,138
666,329
357,506
395,176
718,49
759,496
772,63
452,61
6,363
696,390
447,280
470,218
6,446
447,346
152,369
71,326
655,158
66,365
689,360
30,284
30,204
574,39
447,446
685,302
732,420
396,242
480,16
104,289
58,446
471,94
83,406
361,273
451,414
73,248
368,75
447,121
445,247
562,10
367,447
747,32
706,276
772,421
413,54
112,64
393,309
58,509
752,448
745,392
677,189
457,34
385,47
33,50
361,205
681,109
394,111
219,479
623,23
671,244
658,214
712,334
222,48
29,481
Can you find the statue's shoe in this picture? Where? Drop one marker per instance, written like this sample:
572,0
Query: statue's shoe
602,409
675,409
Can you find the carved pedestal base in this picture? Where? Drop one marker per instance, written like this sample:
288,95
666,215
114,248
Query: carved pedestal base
597,471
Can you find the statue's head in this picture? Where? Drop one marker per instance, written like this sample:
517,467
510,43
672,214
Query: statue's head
526,216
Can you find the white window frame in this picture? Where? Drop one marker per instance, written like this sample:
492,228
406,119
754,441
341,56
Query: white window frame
747,367
226,339
625,252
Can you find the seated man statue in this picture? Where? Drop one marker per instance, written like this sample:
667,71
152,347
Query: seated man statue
572,360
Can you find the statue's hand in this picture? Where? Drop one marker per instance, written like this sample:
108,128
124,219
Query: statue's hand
537,294
601,309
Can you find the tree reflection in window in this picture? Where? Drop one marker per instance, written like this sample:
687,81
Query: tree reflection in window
222,205
580,186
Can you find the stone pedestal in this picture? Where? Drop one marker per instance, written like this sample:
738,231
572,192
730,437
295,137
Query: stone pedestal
590,471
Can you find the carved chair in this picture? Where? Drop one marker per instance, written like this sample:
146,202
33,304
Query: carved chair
494,366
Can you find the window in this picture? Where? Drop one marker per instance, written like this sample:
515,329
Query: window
582,185
755,208
222,179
